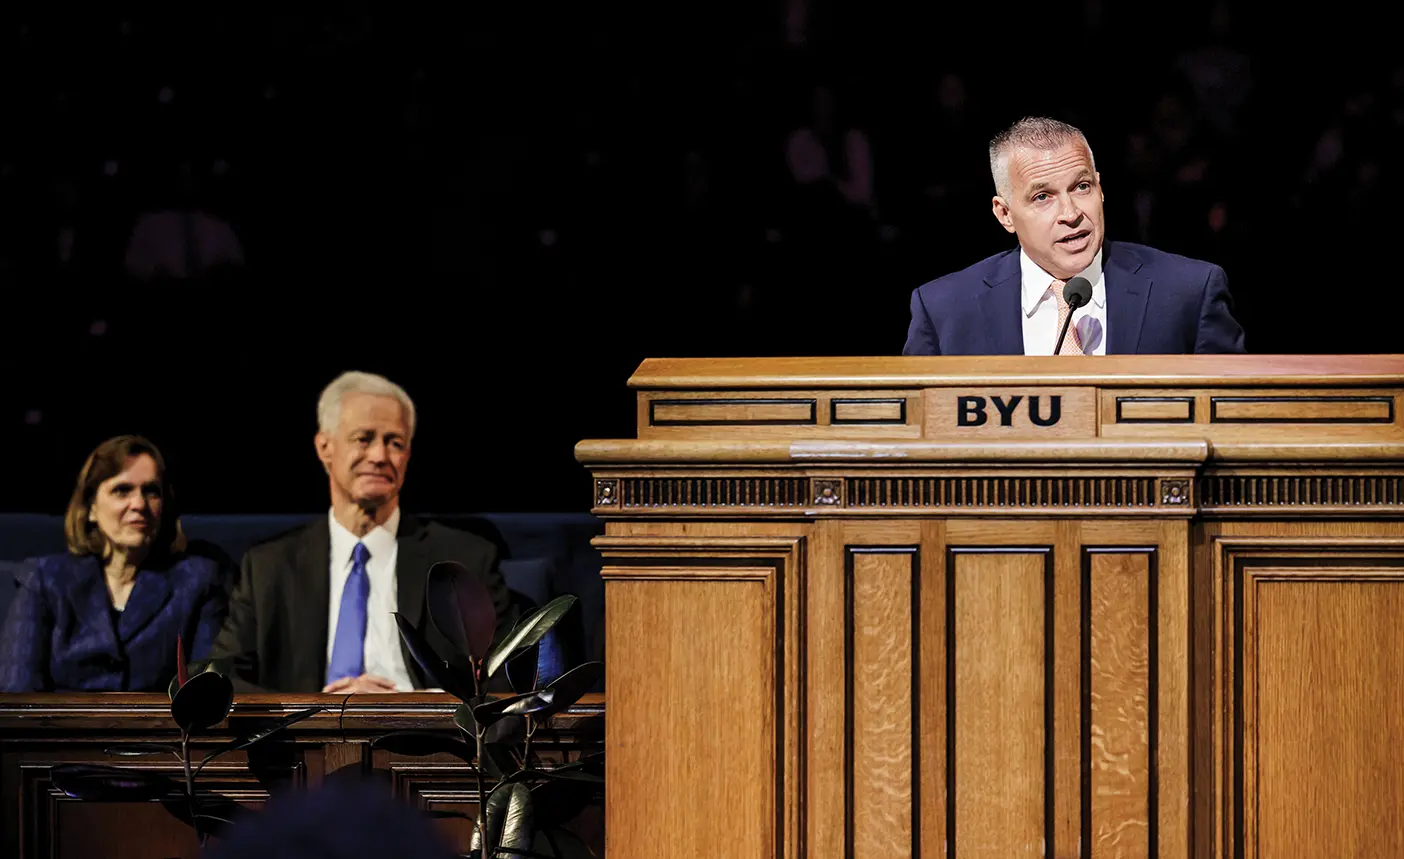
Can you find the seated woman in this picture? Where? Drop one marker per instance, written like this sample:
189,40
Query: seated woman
105,617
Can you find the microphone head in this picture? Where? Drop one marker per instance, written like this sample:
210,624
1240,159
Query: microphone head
1077,292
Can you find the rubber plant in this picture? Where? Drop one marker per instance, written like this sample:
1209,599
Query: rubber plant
522,814
201,697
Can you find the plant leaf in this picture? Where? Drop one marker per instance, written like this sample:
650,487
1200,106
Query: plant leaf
577,776
508,817
528,631
593,762
498,760
203,702
214,814
260,734
437,669
460,607
518,705
417,744
137,750
569,687
97,783
201,666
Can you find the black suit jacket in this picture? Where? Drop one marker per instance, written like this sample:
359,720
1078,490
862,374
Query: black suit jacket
276,631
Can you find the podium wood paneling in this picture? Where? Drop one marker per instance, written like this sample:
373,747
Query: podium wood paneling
38,732
921,616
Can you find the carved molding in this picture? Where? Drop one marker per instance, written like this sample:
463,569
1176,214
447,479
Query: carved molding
1175,492
828,493
1272,493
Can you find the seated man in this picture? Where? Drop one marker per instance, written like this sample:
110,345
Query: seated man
312,609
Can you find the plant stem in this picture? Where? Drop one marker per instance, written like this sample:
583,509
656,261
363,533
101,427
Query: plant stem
526,747
480,733
190,787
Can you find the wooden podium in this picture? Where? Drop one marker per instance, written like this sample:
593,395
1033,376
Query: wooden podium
1006,607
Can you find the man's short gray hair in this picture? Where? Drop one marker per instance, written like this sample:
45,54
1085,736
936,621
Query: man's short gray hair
1031,132
355,382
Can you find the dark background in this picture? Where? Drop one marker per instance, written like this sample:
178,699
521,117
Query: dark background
505,207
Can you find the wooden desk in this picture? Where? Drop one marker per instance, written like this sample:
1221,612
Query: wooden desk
1006,607
39,731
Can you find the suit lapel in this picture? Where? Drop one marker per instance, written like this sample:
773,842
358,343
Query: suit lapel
1004,329
93,604
150,592
309,592
411,575
1127,293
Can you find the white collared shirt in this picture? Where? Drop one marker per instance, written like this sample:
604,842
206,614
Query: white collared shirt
1040,307
382,648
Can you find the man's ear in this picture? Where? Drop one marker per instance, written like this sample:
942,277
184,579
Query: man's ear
322,442
1002,213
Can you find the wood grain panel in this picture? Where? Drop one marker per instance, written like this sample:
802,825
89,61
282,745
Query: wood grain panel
1119,734
1127,371
1158,410
725,412
998,647
881,585
847,410
1319,409
931,693
693,671
1323,738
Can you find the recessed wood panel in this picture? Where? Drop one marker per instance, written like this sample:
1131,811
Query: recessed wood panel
1323,742
704,692
999,767
1302,409
882,750
867,411
1120,694
732,412
1156,410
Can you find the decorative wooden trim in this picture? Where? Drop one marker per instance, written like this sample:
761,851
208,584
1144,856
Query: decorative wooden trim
1216,418
810,420
828,492
1355,494
1124,401
1016,492
900,416
708,492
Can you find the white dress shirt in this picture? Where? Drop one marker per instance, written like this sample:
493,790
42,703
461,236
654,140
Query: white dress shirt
1041,310
382,648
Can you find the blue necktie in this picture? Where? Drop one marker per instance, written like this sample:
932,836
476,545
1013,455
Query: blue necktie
348,651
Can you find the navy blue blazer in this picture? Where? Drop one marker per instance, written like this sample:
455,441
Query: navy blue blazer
1157,304
60,634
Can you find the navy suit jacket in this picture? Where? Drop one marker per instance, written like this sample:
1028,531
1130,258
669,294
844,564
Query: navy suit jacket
1157,304
60,634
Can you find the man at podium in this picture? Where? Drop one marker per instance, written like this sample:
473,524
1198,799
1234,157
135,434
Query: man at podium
1123,298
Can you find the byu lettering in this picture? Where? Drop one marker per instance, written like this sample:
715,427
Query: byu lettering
972,411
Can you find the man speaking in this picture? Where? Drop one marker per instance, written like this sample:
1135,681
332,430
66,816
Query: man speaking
1108,297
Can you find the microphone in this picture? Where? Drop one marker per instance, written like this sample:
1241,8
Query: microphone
1076,293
